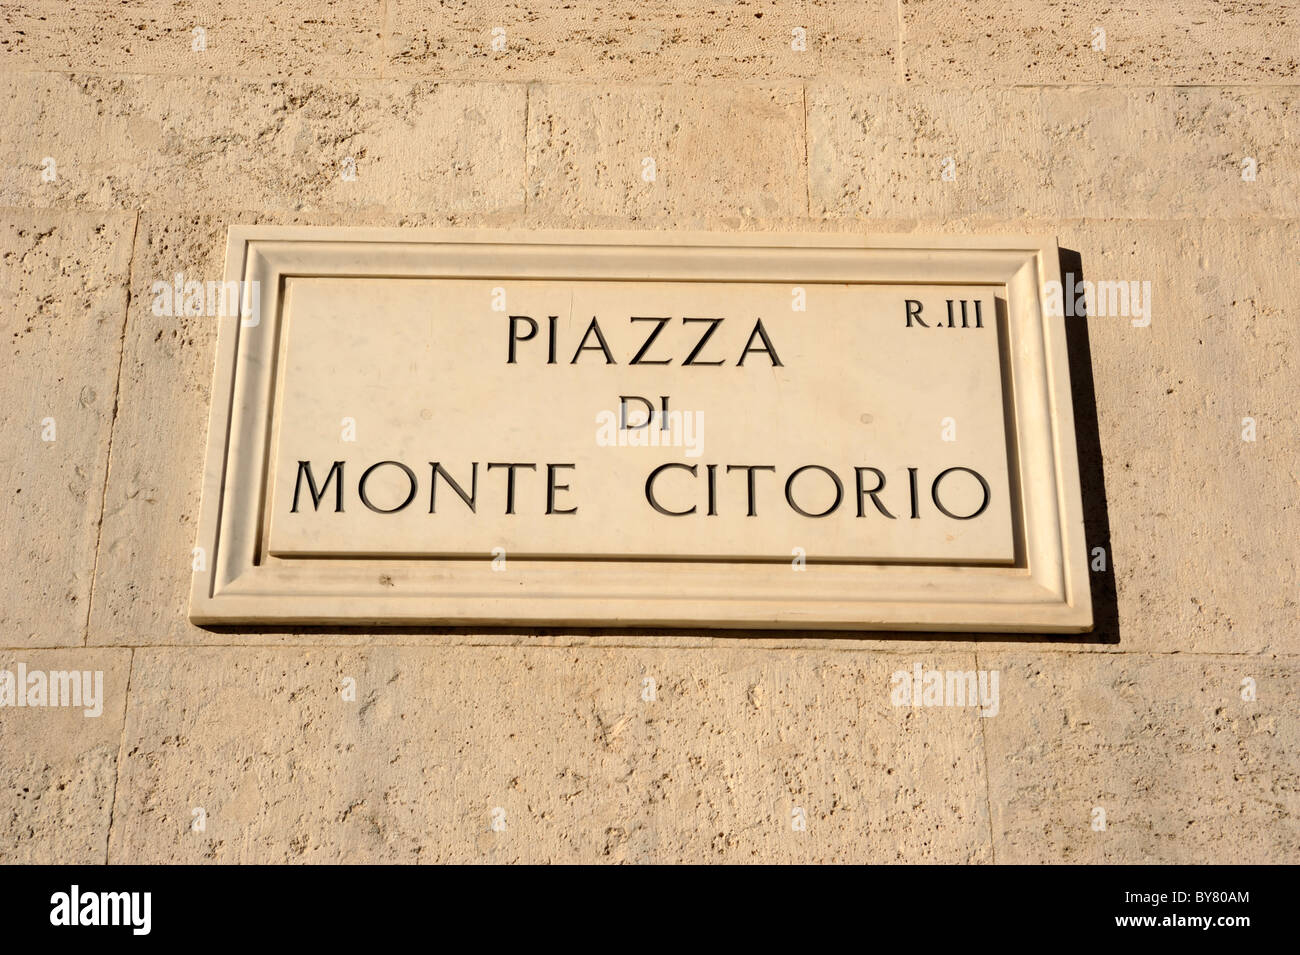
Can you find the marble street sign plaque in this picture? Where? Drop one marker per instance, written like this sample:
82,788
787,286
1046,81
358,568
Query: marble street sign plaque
640,429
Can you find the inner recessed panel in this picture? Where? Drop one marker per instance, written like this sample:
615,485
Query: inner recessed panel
847,422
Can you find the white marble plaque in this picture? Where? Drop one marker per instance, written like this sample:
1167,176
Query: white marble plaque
612,429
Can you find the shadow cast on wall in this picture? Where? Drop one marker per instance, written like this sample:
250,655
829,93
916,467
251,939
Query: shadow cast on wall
1092,474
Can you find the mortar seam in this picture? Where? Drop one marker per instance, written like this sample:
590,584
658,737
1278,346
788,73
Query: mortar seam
528,97
807,169
711,82
1279,656
117,769
988,787
112,430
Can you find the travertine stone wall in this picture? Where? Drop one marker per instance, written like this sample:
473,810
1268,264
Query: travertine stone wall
1132,155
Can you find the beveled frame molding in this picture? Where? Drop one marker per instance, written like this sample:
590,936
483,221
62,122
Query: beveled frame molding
1046,591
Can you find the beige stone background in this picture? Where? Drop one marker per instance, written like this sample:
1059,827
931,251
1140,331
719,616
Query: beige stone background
1132,156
